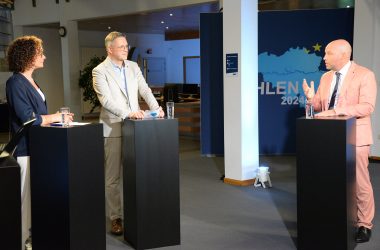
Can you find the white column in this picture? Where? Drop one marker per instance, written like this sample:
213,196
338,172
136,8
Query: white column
71,68
241,137
366,51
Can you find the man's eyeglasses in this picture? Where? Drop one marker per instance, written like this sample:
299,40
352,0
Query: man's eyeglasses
123,47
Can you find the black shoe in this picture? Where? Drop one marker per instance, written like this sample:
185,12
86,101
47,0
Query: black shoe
363,235
117,227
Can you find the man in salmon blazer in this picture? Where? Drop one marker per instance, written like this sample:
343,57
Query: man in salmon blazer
354,95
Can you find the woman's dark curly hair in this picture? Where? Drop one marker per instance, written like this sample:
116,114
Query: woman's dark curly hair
22,52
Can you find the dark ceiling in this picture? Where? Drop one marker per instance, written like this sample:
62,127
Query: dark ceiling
186,18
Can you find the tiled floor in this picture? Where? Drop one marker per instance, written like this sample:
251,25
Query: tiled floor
218,216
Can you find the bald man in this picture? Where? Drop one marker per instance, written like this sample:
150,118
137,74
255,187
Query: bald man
354,95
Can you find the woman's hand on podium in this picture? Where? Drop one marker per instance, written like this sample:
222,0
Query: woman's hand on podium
67,117
57,117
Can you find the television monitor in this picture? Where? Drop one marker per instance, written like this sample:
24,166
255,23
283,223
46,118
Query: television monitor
170,93
189,88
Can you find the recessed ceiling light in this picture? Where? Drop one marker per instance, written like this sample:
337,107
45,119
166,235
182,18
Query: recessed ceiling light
109,27
171,14
162,22
167,27
348,6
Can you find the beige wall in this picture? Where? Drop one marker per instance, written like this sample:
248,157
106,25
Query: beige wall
367,53
49,78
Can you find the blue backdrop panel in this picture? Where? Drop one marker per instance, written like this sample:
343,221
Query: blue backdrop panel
291,48
212,118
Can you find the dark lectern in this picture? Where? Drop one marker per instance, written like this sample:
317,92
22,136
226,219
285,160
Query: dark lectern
151,183
10,204
326,199
67,187
4,114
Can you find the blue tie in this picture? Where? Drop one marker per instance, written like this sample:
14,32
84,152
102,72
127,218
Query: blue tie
332,100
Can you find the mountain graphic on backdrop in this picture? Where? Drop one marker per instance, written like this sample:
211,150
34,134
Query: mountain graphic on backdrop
291,67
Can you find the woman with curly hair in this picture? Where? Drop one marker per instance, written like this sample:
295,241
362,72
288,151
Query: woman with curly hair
26,101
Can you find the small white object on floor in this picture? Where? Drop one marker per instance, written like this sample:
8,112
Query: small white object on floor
262,177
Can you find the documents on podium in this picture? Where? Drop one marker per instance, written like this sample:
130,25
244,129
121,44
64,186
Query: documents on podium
61,124
151,183
326,196
67,187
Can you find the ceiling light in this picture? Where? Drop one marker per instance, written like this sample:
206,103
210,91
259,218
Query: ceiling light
162,22
167,27
171,14
109,27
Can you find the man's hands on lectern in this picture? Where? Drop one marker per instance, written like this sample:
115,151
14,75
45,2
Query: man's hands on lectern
309,91
136,115
161,113
326,113
141,114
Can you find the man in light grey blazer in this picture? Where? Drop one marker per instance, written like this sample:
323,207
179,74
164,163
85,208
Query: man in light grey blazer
117,83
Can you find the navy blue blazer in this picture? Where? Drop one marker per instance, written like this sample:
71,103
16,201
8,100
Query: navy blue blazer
24,103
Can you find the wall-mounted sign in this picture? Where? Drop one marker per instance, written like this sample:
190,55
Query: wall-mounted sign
232,64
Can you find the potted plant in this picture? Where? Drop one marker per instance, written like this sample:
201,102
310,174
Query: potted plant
85,82
85,79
